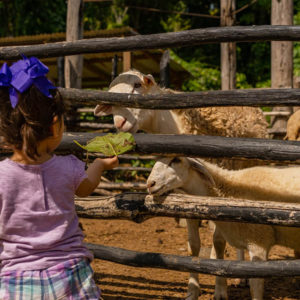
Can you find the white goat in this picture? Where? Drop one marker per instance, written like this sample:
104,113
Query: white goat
221,121
198,177
134,119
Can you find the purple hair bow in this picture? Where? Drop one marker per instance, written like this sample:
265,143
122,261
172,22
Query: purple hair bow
22,75
5,75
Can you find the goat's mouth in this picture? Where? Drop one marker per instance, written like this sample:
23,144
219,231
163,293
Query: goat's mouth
128,127
121,125
157,191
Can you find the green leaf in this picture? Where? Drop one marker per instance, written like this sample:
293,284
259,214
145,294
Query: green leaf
110,144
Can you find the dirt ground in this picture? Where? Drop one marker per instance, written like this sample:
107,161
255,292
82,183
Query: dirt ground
163,235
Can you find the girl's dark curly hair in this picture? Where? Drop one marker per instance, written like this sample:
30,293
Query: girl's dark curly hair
24,126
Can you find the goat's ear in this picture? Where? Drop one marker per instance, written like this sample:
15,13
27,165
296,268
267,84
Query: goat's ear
103,110
148,80
200,167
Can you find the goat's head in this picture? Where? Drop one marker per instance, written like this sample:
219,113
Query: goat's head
129,119
174,173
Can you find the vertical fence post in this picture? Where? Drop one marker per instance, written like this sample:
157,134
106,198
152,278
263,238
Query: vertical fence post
165,69
281,57
74,63
228,50
114,71
126,61
74,31
60,71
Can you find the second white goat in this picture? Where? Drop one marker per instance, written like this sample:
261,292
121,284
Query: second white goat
198,177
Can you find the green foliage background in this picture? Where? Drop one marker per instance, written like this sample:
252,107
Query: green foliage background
30,17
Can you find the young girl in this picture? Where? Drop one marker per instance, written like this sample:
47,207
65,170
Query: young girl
42,255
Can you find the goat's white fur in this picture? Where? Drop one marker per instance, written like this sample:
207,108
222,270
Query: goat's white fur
256,183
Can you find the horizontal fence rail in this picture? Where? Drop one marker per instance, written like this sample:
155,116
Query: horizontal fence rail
246,97
139,207
159,40
218,267
123,185
198,146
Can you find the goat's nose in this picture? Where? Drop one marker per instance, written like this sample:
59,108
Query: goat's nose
119,123
150,184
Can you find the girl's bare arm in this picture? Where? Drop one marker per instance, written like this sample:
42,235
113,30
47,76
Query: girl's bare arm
94,173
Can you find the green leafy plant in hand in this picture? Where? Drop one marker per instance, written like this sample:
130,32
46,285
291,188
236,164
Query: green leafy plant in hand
110,144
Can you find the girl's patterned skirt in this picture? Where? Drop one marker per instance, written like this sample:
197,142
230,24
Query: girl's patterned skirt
71,280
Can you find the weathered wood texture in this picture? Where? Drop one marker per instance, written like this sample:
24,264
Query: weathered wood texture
219,267
196,145
277,113
164,67
142,169
114,71
281,58
246,97
127,60
282,51
123,185
96,125
74,31
155,41
228,50
61,71
140,206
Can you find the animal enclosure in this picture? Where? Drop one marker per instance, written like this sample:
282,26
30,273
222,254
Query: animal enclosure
138,207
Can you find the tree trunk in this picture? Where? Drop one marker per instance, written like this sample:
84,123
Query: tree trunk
228,50
281,58
74,64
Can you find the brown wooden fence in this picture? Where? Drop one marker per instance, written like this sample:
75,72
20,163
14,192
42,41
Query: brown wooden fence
205,146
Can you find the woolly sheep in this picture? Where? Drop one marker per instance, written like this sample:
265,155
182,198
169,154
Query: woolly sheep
198,177
220,121
293,127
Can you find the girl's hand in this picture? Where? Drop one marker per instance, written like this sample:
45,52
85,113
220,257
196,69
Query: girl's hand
94,173
109,163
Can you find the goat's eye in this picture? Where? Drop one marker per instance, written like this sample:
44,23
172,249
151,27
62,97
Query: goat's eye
176,160
137,85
